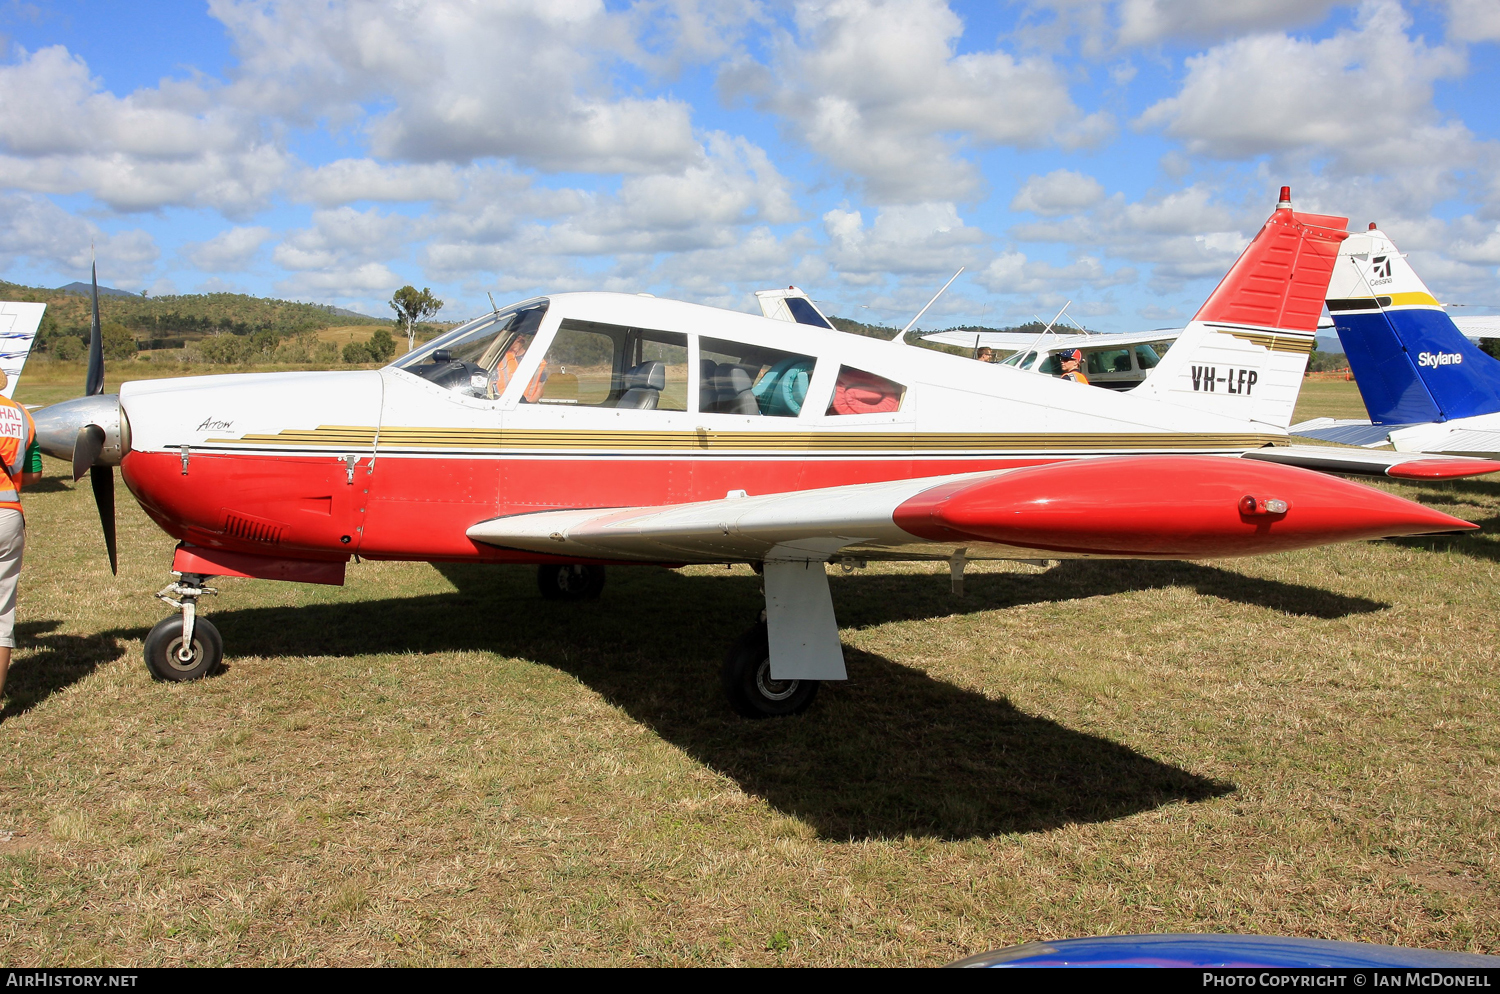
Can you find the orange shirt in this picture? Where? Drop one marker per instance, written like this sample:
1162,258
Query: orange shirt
17,439
506,371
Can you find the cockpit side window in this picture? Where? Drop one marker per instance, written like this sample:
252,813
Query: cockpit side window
480,358
601,365
736,378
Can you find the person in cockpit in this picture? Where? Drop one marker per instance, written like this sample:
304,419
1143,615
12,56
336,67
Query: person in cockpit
985,354
1072,366
505,370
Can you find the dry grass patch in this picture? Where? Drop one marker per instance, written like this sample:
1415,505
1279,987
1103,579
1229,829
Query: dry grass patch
432,765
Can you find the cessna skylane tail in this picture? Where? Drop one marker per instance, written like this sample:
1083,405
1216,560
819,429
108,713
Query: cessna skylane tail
1427,388
585,429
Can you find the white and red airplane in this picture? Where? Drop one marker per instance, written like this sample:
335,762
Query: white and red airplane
586,429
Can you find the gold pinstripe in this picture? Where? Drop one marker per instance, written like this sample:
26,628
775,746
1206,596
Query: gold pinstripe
1298,344
397,438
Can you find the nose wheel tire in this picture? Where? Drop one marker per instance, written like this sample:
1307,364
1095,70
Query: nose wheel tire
570,583
748,683
166,659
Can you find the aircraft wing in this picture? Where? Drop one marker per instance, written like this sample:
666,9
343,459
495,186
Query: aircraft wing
1156,507
1365,462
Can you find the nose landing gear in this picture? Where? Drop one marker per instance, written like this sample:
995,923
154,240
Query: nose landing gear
185,647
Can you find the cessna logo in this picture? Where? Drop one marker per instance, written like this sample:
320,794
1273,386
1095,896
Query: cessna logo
1213,379
1382,266
1440,359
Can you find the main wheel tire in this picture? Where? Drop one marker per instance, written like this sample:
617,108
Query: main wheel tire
571,582
748,683
165,640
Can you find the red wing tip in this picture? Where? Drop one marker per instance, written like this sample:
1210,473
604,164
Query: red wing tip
1442,469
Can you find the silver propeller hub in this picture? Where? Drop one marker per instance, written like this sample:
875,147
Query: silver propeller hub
58,427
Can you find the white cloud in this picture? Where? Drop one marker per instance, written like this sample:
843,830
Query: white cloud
1365,92
1147,21
707,205
1473,20
1061,191
1012,272
228,251
910,238
1183,235
341,243
45,235
175,144
464,79
349,180
876,88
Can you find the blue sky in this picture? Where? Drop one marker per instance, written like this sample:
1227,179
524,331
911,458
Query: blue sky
1115,153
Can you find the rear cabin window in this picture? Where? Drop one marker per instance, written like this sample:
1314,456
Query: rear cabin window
1147,356
859,392
600,365
735,378
1109,361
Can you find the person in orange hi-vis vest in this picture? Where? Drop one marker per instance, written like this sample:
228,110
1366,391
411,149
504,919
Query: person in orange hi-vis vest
1072,366
505,371
20,463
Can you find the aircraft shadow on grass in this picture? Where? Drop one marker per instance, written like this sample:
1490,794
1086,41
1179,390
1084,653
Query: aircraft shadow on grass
892,752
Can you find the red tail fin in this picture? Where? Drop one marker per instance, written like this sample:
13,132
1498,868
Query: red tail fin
1281,279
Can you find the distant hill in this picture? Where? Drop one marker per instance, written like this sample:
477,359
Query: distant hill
171,321
87,290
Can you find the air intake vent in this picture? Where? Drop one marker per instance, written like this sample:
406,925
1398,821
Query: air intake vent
252,529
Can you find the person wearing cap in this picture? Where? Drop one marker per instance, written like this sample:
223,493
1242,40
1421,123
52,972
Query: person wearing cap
1072,366
20,463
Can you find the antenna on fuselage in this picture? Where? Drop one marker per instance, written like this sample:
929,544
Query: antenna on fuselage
901,338
492,303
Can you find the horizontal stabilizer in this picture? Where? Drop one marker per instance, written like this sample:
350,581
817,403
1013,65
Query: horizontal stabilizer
1343,431
1365,462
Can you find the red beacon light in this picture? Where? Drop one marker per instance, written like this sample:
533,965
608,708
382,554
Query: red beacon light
1285,203
1372,225
1262,505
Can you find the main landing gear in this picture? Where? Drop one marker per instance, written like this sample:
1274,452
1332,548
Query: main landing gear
571,582
751,690
185,647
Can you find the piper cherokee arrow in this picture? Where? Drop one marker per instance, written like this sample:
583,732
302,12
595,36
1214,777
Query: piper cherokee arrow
580,430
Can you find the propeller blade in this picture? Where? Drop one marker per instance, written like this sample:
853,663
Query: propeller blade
94,383
103,480
86,449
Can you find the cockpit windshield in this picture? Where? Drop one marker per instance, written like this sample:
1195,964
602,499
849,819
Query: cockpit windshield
478,359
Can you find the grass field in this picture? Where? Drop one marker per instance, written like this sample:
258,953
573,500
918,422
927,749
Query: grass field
434,766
